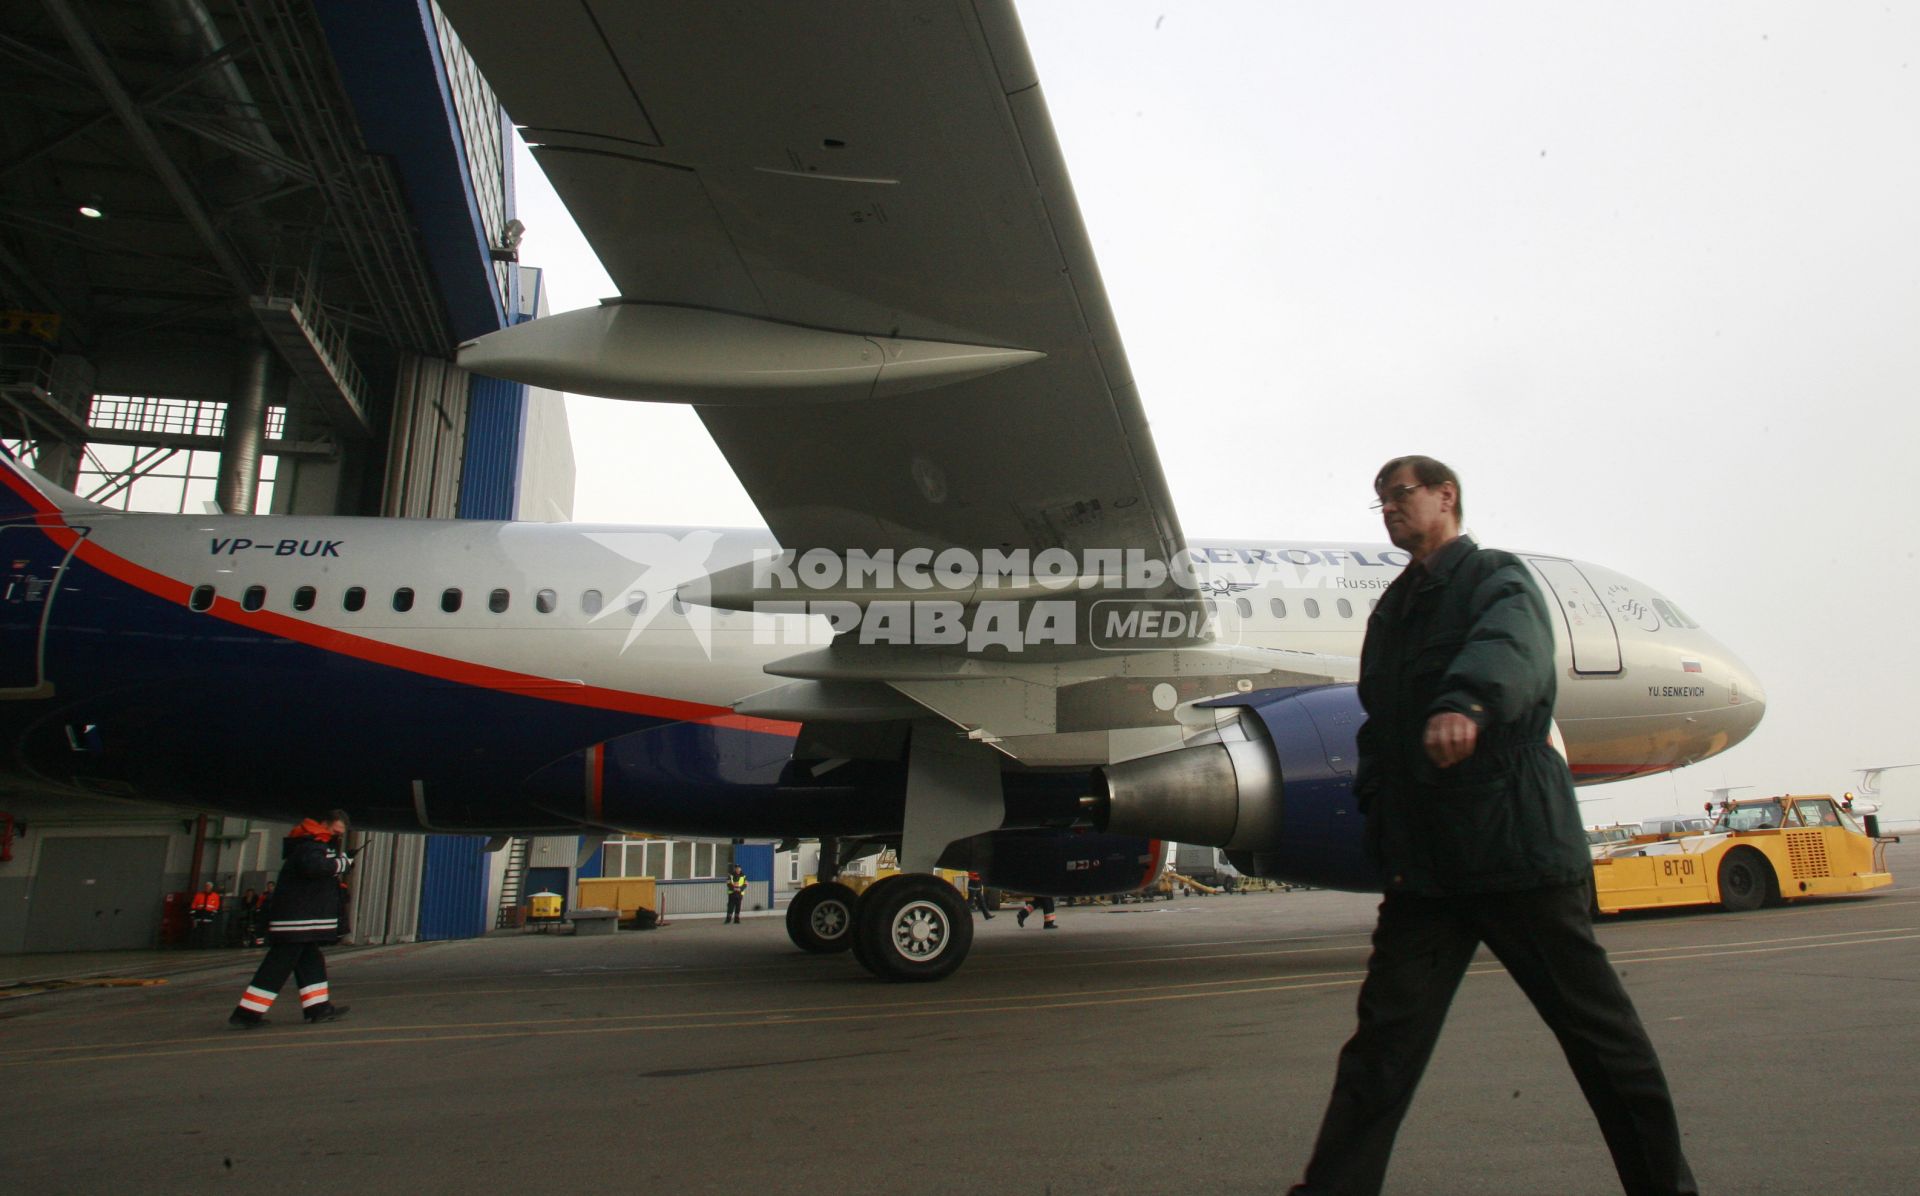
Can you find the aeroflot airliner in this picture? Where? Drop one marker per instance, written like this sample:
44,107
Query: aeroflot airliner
489,677
973,629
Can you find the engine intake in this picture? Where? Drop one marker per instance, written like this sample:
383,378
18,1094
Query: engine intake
1276,791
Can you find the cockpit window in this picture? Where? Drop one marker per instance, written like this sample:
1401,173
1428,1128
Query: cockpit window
1672,615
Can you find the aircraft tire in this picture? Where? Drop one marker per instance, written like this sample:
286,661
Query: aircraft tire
820,918
914,926
1745,880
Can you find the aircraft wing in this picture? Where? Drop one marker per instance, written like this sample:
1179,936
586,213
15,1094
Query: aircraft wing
843,230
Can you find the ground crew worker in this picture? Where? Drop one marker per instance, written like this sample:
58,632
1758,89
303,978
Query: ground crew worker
1471,819
977,895
202,913
304,915
1045,905
736,891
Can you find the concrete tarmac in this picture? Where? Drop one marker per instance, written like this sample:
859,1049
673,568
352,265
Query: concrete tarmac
1182,1047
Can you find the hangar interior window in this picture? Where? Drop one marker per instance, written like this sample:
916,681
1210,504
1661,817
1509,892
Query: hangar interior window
667,859
403,598
545,601
1278,607
172,480
1312,606
590,602
202,598
254,598
450,599
497,602
303,598
1346,609
354,598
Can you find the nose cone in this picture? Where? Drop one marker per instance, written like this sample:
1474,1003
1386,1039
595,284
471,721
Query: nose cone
1746,700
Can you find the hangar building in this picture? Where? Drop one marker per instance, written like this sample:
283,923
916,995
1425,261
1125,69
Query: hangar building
239,241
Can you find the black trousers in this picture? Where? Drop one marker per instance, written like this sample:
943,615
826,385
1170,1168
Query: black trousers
1421,949
733,906
303,960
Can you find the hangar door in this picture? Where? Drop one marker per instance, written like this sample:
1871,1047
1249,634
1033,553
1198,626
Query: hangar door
1596,645
97,894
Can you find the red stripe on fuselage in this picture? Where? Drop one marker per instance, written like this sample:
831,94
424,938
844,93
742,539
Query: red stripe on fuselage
596,782
412,660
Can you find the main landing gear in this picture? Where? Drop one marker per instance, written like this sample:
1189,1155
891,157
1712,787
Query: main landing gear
913,926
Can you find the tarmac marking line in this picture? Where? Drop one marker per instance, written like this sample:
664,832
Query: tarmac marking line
1249,986
1020,1005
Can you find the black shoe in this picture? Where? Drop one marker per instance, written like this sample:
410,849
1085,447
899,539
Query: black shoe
1050,926
1021,918
985,916
242,1019
326,1013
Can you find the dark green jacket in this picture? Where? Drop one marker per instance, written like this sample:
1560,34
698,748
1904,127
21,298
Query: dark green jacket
1469,633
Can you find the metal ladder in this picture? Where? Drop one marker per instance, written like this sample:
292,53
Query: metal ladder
510,884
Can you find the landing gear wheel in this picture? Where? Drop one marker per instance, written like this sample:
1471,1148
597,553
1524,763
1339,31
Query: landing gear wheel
914,926
1744,881
820,918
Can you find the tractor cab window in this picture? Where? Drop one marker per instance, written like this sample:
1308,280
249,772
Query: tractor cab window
1818,812
1752,816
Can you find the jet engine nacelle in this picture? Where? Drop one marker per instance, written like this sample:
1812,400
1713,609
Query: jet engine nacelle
1060,863
1276,791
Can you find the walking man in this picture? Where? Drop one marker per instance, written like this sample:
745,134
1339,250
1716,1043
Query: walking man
1472,821
305,913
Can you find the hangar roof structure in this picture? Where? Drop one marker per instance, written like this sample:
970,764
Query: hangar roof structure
180,178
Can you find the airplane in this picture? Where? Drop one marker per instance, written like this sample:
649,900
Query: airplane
973,629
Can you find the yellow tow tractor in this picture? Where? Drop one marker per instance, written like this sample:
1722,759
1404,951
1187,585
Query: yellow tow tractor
1759,851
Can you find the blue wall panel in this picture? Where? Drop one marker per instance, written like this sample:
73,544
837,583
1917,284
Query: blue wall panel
453,890
490,476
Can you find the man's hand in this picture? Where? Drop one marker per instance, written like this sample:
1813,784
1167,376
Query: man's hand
1450,738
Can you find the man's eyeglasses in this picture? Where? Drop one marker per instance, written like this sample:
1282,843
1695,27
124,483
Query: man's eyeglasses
1395,495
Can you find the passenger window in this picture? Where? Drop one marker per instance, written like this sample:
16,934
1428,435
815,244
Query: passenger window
1312,606
636,602
355,597
1244,607
497,602
303,598
1278,607
679,607
450,599
254,598
1373,604
590,602
1346,609
201,599
545,601
403,598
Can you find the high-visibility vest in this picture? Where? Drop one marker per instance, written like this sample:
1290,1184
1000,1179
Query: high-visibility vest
206,902
737,884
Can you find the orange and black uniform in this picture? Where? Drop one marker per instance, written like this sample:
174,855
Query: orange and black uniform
305,914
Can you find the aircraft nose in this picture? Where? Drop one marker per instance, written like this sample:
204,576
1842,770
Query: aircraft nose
1746,700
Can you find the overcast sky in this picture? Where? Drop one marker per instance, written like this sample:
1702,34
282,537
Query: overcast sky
1646,274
